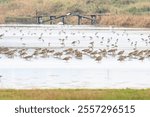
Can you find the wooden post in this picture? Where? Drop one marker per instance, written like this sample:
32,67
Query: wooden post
63,19
52,19
39,20
79,19
93,21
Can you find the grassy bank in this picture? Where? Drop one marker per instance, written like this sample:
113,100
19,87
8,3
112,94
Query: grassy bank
133,13
76,94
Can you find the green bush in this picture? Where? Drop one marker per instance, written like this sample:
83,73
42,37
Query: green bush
4,1
142,10
76,9
102,9
145,9
123,2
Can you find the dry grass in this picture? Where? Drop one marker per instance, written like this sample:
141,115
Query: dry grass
123,10
126,20
75,94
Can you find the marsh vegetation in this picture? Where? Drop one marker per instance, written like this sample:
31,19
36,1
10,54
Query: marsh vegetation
133,13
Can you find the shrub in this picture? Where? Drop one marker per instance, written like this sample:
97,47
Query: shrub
102,9
4,1
134,10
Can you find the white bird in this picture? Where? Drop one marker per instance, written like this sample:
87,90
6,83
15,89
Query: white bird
68,14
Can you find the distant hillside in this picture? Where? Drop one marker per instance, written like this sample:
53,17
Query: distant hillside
122,12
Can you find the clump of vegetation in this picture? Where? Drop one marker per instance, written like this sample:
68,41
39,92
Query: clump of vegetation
143,10
123,2
102,9
4,1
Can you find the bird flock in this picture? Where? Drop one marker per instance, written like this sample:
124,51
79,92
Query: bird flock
65,44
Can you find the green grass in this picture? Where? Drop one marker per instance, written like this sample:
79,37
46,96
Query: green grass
76,94
138,11
4,1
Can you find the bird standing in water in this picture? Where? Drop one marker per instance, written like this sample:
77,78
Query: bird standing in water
67,58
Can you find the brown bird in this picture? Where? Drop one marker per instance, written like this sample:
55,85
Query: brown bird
28,57
1,35
112,50
67,58
58,54
51,51
121,58
73,43
91,43
63,44
78,54
121,52
85,50
68,50
141,58
99,58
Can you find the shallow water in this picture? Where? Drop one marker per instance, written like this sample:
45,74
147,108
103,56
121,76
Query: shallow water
74,78
30,36
87,73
